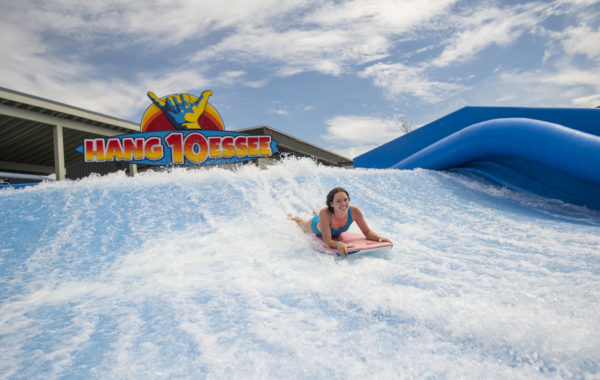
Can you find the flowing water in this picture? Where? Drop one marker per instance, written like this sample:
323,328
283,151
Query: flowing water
199,274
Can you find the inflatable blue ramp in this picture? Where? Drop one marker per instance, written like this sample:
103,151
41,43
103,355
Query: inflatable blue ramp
550,152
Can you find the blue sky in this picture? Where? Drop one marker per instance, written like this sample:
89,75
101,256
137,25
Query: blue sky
343,75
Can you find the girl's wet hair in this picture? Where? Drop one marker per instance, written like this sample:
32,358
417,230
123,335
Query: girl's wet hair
332,194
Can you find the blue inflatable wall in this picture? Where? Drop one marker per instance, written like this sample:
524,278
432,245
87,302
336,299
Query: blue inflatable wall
554,153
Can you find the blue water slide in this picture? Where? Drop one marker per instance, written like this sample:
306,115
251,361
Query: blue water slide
554,153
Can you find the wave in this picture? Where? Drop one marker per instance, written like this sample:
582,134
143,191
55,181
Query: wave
198,273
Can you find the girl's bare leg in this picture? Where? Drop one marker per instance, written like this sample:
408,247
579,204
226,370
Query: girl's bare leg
304,224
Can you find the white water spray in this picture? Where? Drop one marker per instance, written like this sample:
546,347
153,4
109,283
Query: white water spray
199,274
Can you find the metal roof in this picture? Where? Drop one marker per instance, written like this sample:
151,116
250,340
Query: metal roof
27,125
297,147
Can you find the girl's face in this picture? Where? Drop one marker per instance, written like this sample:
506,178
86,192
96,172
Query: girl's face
340,201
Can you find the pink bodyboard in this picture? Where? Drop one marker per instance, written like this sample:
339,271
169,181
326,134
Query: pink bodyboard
355,243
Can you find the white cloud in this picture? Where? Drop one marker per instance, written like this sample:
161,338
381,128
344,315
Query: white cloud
279,111
330,37
163,22
398,79
173,82
296,50
487,26
33,62
282,38
565,86
26,68
352,151
292,36
589,101
284,110
256,83
387,17
571,76
582,40
363,130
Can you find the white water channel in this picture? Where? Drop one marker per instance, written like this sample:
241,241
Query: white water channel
199,274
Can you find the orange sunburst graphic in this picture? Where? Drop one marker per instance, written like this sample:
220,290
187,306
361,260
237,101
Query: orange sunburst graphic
155,119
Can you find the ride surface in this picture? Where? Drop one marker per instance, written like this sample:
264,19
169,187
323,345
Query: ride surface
554,153
199,274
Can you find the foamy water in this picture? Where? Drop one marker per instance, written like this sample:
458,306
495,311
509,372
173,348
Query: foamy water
199,274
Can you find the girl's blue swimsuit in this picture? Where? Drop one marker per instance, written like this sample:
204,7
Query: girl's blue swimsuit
334,231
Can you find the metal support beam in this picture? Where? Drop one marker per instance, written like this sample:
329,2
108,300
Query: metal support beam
132,170
25,176
26,167
59,153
